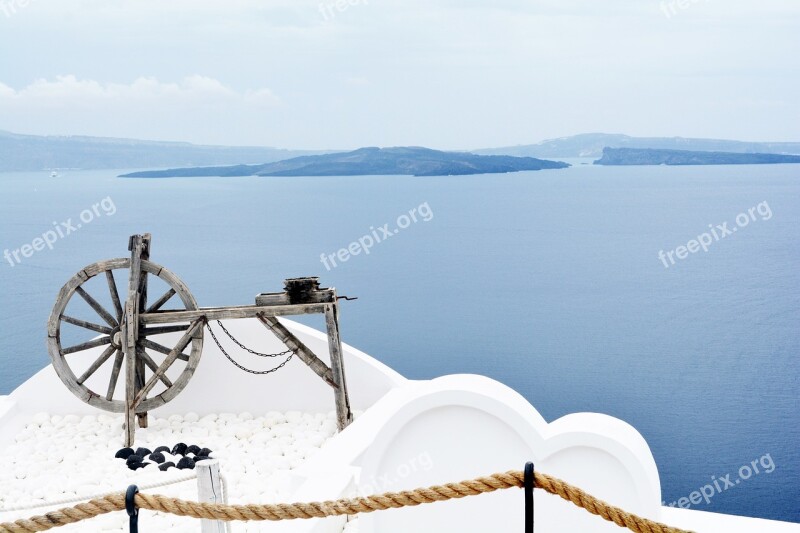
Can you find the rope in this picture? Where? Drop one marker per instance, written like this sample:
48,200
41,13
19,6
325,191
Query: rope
240,367
389,500
67,501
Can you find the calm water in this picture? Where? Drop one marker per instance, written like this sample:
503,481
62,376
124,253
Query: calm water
549,282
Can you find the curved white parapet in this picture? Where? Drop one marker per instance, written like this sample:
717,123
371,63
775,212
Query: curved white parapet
460,427
217,386
6,406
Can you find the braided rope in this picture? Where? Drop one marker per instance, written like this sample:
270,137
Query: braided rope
67,501
389,500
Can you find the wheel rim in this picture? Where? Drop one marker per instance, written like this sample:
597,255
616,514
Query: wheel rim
104,352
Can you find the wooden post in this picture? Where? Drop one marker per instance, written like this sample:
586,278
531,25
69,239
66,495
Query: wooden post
209,490
130,337
343,414
145,256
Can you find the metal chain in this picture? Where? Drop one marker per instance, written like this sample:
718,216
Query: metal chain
257,372
243,347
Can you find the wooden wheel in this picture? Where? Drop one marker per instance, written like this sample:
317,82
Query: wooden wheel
89,365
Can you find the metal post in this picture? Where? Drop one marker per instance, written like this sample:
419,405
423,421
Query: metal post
209,490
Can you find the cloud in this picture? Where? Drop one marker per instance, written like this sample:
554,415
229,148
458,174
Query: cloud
67,90
143,107
356,81
6,91
449,74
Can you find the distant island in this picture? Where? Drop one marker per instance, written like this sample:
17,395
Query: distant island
592,145
36,152
415,161
23,153
644,156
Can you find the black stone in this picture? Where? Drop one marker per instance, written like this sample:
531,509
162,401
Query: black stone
133,459
186,463
199,458
157,457
179,449
193,449
137,466
204,451
124,453
143,452
166,466
162,449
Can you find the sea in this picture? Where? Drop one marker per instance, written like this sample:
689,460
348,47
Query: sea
668,297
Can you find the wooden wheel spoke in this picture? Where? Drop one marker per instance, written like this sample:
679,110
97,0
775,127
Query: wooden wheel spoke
97,364
87,325
147,343
160,330
112,288
158,304
173,355
153,366
102,341
112,383
97,307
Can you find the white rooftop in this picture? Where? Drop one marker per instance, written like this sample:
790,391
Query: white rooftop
411,434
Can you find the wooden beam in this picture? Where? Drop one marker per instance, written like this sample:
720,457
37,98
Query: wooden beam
130,336
140,361
130,374
144,356
300,349
225,313
344,416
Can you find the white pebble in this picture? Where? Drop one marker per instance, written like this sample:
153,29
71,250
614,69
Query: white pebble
254,453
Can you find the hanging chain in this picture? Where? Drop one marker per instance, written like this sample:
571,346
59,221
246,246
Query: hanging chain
257,372
243,347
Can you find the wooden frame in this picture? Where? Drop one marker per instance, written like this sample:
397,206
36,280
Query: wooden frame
127,328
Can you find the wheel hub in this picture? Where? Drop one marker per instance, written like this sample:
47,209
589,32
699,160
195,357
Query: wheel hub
116,338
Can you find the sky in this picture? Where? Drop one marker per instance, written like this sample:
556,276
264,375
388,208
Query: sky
447,74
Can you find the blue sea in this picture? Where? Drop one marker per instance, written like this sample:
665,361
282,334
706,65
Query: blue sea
550,282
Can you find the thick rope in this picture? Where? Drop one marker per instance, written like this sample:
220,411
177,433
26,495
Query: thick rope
77,499
389,500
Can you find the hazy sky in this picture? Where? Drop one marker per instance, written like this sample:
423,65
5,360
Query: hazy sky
441,73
